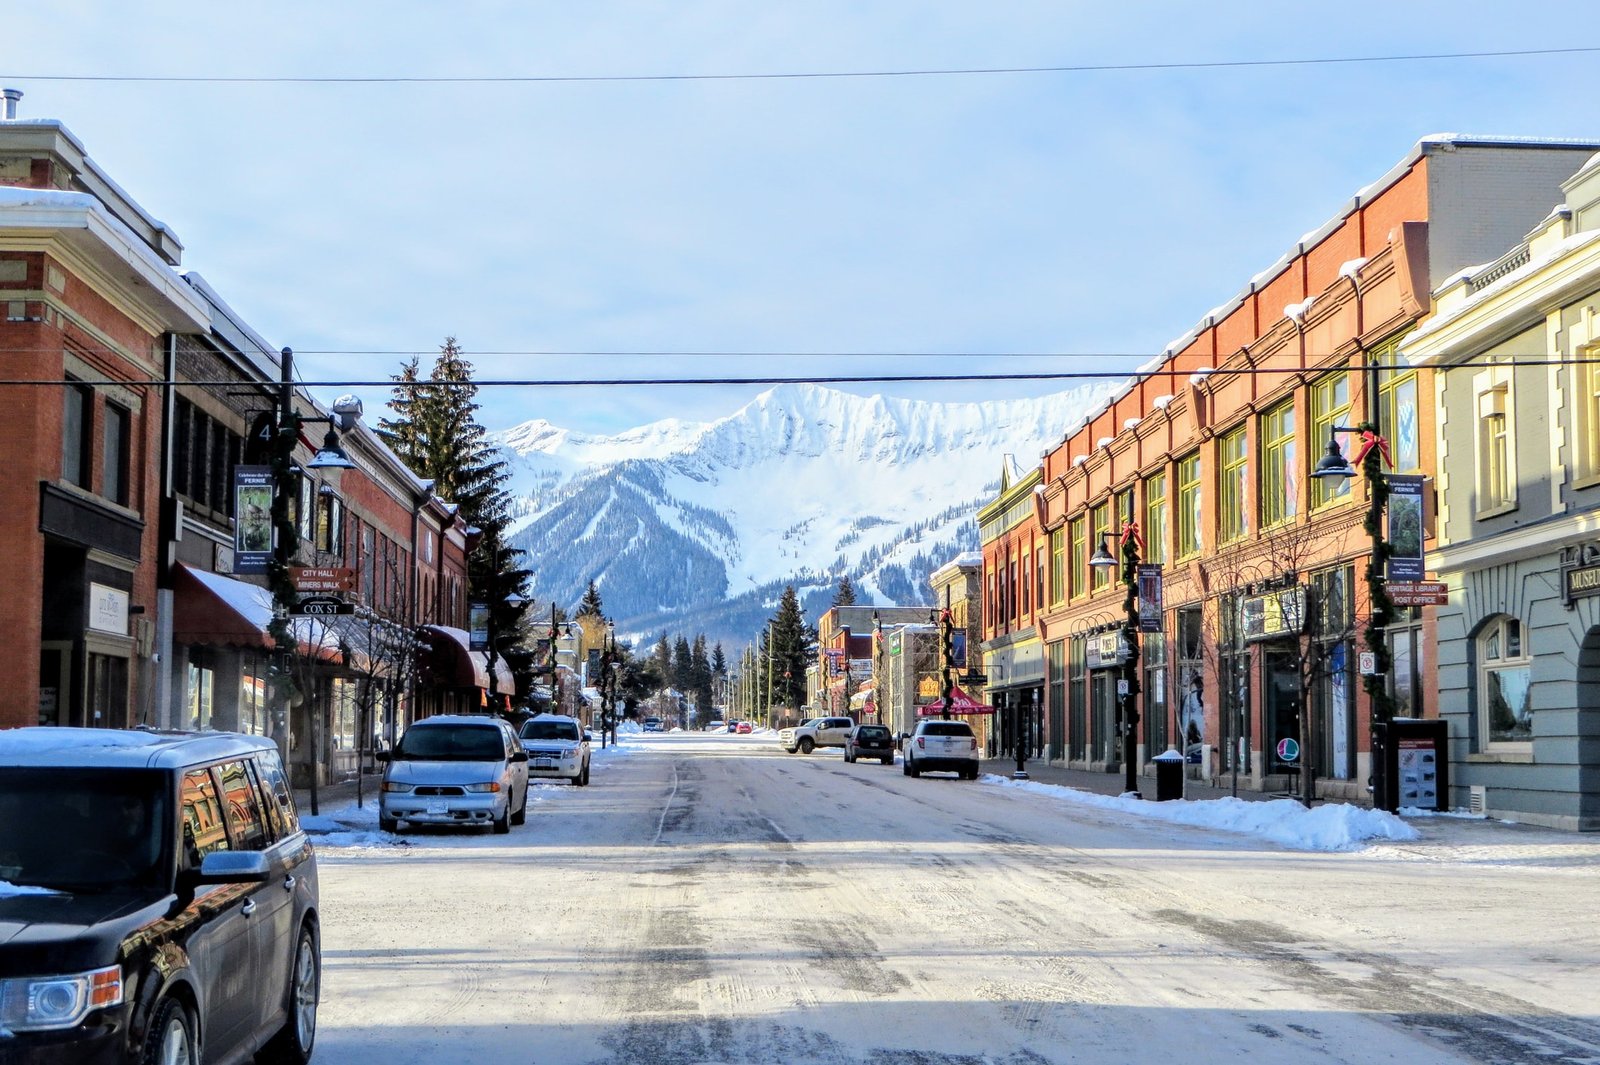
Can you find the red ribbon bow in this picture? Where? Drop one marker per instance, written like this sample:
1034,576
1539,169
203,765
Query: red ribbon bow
1370,440
1132,530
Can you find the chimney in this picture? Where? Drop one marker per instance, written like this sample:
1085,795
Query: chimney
8,102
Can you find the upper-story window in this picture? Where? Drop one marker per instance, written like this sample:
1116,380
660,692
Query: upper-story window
1496,453
1330,406
1026,588
1279,474
1038,579
1505,673
1078,562
1189,529
204,454
1099,525
1233,486
1058,566
77,426
1398,417
1586,398
1155,518
114,454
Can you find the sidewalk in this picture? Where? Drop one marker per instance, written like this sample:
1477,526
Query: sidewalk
1113,783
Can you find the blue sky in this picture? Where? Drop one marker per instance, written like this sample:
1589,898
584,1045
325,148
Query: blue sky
1098,213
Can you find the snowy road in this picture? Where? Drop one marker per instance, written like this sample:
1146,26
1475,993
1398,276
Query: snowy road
711,899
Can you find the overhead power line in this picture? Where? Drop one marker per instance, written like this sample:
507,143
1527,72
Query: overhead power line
797,75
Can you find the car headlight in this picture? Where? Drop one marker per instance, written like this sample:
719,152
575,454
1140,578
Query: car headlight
569,754
493,785
40,1003
394,787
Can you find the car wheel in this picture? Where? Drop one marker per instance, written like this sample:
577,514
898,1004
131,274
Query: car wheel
521,816
911,767
583,778
790,750
849,757
388,824
905,767
293,1043
806,745
170,1039
502,824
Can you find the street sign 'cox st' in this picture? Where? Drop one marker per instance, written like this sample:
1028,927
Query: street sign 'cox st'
318,606
323,578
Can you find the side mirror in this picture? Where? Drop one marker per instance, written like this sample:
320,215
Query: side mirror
380,756
520,755
587,738
233,867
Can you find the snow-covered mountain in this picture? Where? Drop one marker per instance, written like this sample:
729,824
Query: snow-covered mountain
697,527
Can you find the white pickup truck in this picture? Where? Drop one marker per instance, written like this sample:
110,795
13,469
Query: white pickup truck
818,732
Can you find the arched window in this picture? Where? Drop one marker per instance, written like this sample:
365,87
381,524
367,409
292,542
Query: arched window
1505,709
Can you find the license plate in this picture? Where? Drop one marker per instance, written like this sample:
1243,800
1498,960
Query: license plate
438,806
543,763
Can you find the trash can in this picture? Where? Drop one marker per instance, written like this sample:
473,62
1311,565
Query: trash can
1169,775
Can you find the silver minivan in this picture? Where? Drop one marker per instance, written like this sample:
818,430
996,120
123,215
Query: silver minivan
467,769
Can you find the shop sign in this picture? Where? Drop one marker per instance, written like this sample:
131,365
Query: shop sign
929,687
1267,617
1581,582
1106,650
108,609
252,526
1405,528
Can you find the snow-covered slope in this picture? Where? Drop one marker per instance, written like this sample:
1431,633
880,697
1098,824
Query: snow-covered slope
697,527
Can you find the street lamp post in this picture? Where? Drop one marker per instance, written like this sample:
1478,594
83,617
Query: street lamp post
1130,662
1336,469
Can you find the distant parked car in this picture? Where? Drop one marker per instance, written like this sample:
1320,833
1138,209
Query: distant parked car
715,725
557,747
941,746
869,741
466,769
158,900
653,724
742,728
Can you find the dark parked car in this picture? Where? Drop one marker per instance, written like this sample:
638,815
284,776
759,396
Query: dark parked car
158,900
869,741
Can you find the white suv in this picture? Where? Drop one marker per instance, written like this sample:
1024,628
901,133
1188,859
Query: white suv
557,747
947,746
467,769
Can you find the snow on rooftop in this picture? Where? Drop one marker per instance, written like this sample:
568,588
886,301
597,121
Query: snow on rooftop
43,740
1104,441
1080,460
1353,267
1200,375
1298,311
1131,423
1161,402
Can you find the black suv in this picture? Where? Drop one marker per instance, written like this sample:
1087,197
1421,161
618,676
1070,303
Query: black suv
869,741
158,900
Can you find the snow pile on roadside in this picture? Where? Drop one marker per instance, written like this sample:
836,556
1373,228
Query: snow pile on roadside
1329,827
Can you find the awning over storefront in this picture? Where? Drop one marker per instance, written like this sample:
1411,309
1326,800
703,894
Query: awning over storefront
210,609
454,664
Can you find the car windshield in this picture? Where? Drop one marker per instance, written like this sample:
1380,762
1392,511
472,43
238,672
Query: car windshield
452,743
872,732
947,728
550,730
83,830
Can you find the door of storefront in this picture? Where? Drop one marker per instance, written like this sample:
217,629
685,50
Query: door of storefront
1284,710
1103,718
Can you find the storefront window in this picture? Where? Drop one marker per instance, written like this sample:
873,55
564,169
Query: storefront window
252,699
1153,657
1077,696
201,697
1505,674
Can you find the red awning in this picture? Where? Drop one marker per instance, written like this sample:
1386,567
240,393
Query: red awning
960,704
453,663
211,610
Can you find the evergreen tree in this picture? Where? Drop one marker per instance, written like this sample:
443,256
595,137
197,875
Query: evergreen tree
663,661
591,604
846,593
682,665
435,431
788,653
700,673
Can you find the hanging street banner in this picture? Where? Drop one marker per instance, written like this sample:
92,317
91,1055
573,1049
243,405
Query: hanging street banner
1149,598
478,625
252,527
1405,528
